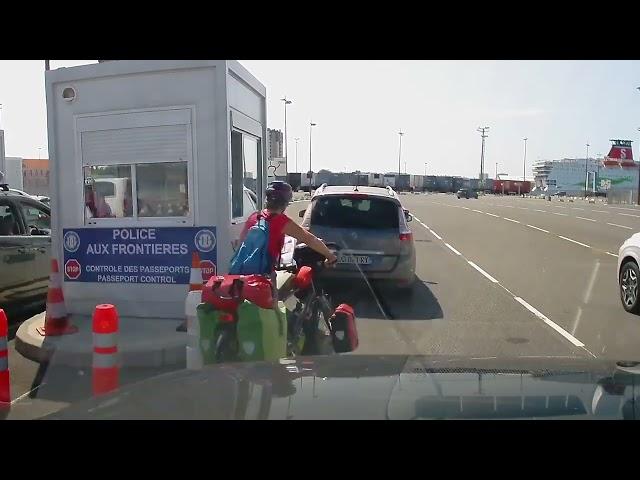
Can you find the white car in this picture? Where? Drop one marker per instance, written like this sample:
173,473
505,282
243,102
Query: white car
629,273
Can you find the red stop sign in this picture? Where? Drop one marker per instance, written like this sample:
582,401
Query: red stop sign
72,269
208,269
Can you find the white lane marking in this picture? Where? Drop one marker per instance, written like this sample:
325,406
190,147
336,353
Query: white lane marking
452,249
492,214
559,206
592,281
466,208
482,271
553,325
435,234
561,214
574,241
523,208
537,210
507,206
629,215
511,220
576,208
612,254
599,211
577,321
538,228
479,211
587,219
621,226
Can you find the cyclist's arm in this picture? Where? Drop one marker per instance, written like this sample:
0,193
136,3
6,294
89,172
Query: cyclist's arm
304,236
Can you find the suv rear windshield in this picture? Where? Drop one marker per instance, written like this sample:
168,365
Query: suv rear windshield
350,212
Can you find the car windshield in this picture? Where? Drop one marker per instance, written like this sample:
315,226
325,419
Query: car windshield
319,239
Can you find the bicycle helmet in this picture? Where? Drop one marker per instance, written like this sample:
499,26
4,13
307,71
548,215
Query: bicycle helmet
279,194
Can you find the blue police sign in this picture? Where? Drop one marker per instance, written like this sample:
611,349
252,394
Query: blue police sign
157,255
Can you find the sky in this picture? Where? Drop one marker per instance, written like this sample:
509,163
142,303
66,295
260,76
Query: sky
359,107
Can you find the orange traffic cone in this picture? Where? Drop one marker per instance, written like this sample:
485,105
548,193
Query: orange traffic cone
56,320
194,295
105,371
5,382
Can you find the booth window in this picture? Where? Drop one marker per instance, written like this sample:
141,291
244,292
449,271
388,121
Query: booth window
236,174
159,190
162,189
245,158
107,191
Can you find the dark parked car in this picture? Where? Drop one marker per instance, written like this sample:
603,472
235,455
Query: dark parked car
370,225
466,193
25,249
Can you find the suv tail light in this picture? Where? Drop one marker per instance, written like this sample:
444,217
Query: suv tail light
404,237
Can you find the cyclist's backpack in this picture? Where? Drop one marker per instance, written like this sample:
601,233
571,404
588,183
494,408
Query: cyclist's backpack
253,255
343,329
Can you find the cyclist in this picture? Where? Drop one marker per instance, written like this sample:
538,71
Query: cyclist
278,197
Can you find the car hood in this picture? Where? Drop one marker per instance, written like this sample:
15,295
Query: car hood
377,387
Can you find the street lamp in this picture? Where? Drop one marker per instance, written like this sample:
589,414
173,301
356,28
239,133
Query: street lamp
524,162
296,139
400,133
482,130
425,169
586,175
286,145
311,125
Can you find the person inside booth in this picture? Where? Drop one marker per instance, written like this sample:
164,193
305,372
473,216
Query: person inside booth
95,204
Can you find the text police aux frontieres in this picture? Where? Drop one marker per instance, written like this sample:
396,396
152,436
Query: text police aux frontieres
136,248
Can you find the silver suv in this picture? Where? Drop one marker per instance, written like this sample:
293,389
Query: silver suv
370,225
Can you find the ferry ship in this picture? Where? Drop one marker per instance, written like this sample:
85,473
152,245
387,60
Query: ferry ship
615,171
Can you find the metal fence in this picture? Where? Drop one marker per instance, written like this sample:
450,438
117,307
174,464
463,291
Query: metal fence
622,197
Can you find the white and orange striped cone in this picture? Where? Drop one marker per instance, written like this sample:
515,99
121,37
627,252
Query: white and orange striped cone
56,320
5,381
194,295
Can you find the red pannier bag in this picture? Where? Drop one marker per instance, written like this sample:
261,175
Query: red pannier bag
226,292
343,329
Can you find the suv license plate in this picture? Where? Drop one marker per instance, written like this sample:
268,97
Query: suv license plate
355,259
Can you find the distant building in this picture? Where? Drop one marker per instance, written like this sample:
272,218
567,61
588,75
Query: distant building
35,176
276,143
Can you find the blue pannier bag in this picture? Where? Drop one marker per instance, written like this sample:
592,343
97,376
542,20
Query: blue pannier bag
252,258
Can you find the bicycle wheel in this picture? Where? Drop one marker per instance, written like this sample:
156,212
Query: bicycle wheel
316,328
226,349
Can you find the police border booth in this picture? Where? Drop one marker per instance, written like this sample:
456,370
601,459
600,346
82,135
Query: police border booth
151,162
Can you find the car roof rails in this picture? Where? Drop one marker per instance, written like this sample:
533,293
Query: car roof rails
4,187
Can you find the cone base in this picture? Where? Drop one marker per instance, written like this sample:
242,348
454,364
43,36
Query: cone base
57,331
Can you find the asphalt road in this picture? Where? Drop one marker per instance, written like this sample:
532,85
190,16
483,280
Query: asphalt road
497,277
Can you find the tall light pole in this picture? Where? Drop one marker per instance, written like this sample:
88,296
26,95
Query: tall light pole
524,162
496,170
483,131
586,174
400,133
286,145
425,169
311,125
296,139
